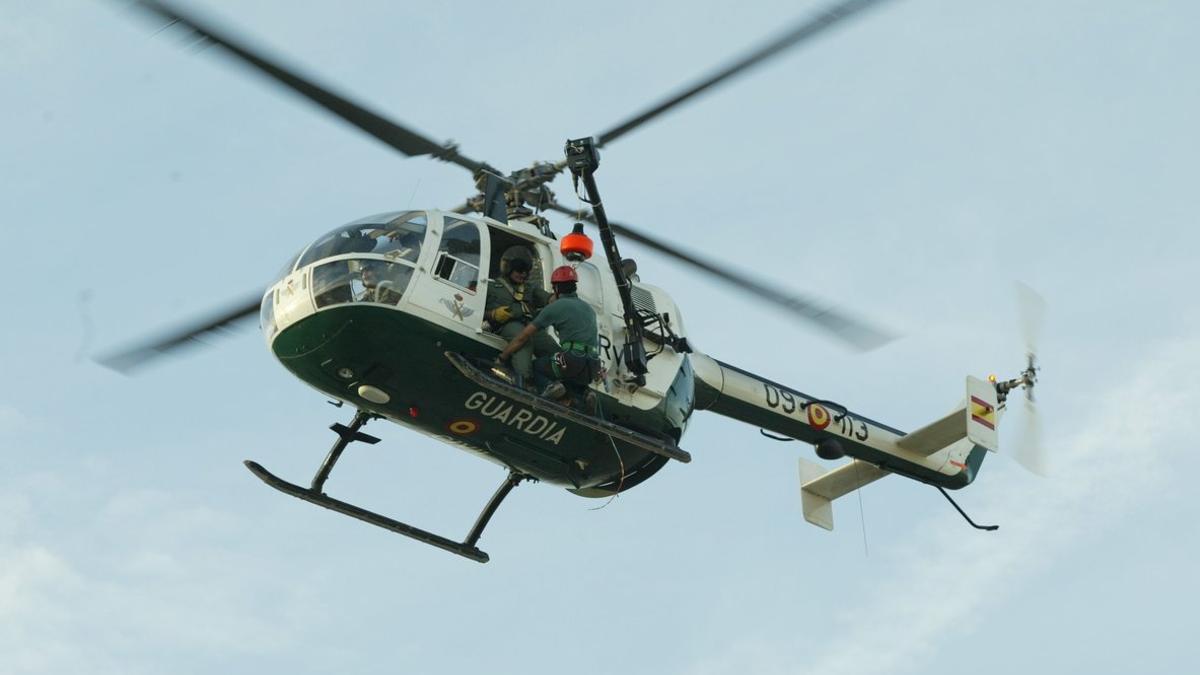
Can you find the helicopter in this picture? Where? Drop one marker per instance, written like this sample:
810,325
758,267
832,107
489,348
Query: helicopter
386,314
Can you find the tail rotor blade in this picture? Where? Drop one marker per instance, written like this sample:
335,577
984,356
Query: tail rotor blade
1028,450
1031,309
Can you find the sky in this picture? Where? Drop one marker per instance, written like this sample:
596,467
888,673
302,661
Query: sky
908,167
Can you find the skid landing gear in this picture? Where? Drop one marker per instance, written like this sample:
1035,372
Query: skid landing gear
314,495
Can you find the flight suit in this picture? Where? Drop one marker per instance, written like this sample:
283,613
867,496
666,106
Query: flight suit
385,294
577,361
524,302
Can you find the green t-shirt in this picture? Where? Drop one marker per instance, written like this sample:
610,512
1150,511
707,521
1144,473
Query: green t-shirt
573,319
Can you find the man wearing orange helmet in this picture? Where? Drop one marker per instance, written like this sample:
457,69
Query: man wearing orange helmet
574,321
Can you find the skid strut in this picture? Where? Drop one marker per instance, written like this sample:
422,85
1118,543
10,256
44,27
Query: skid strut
314,495
346,436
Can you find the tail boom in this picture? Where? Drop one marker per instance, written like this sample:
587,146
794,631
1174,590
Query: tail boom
947,453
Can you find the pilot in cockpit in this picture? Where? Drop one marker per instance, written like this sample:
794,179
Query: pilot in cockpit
374,287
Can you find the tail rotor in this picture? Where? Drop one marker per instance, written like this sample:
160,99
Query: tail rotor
1028,449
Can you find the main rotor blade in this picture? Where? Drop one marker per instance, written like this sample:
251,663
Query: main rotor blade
801,32
131,359
841,326
405,140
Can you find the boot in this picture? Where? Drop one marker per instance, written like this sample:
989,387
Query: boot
554,391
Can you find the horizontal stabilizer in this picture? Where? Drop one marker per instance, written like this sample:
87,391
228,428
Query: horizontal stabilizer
818,488
975,420
933,437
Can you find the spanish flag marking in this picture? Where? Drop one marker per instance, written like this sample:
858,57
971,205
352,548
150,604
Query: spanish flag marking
463,427
983,412
818,416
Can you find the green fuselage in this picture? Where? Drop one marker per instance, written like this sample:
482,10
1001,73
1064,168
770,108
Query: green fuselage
339,349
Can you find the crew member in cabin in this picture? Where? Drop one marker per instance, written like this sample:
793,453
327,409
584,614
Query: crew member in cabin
511,306
576,362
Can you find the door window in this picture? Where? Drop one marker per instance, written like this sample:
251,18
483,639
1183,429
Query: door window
458,254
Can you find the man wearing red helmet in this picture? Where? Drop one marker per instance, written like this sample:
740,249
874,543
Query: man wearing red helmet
574,321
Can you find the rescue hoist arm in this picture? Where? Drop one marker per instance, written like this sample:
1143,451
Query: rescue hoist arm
583,159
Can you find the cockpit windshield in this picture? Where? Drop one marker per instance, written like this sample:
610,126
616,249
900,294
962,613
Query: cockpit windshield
396,236
342,281
373,260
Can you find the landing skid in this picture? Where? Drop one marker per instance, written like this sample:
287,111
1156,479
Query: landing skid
659,446
314,495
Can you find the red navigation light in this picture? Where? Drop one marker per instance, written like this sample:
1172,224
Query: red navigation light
577,245
413,412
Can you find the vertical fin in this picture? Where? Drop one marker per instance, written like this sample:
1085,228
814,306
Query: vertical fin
818,510
982,415
818,488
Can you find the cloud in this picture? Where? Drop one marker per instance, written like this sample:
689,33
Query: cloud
130,581
11,419
29,34
941,579
37,588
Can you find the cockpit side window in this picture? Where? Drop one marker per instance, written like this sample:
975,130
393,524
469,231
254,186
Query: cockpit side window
458,254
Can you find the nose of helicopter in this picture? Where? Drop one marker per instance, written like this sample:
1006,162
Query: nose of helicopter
285,303
369,260
361,280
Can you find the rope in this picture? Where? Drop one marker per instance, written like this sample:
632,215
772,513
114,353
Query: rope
862,517
620,462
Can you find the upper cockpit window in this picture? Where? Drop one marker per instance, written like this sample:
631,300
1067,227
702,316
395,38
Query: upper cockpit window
398,236
287,269
402,237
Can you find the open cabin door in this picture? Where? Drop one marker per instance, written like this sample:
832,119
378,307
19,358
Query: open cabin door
506,244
